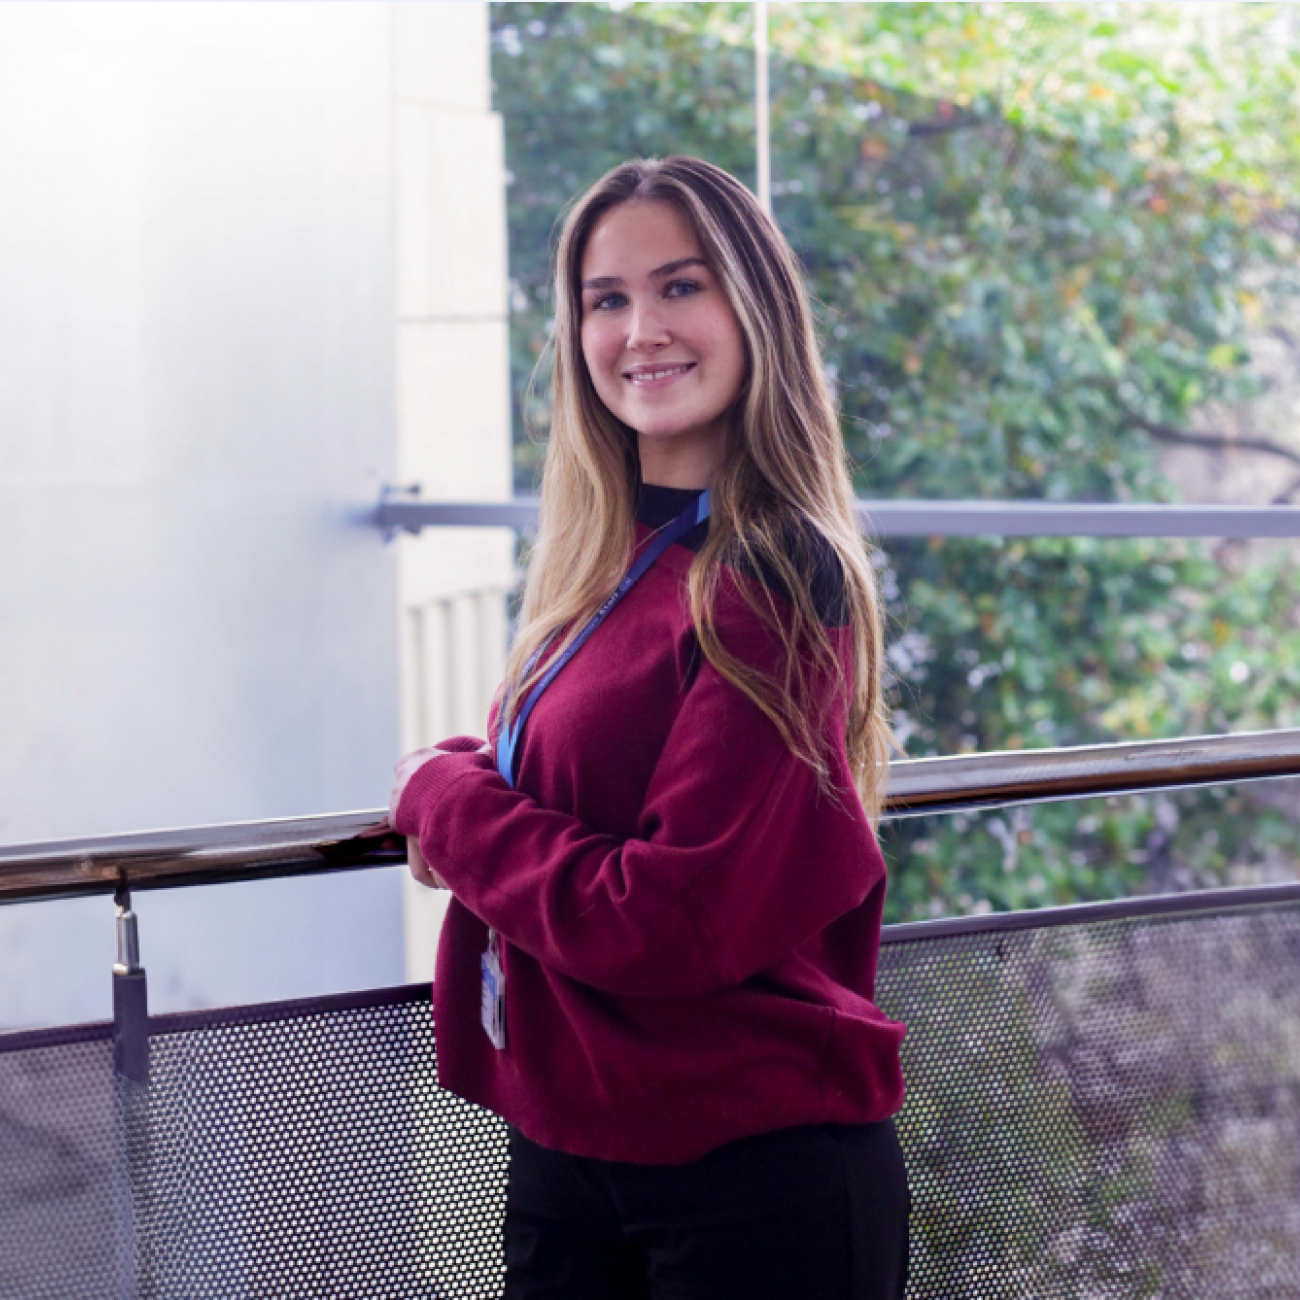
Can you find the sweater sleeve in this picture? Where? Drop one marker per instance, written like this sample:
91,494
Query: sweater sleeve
738,860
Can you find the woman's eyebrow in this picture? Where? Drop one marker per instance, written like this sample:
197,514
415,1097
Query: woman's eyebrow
668,268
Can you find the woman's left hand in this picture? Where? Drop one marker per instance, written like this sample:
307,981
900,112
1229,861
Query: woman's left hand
406,768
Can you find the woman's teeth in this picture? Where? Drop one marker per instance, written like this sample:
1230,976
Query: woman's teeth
646,377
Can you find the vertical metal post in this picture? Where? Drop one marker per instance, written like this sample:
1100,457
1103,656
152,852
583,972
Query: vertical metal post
130,1094
762,130
130,997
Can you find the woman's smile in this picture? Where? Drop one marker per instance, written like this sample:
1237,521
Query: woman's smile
658,376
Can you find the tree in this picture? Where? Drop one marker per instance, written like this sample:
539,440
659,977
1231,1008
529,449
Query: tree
1034,238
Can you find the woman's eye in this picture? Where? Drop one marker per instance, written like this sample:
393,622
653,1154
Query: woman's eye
689,285
602,303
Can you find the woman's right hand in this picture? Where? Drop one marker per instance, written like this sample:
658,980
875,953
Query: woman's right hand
419,868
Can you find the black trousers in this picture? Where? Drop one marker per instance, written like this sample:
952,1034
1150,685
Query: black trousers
816,1212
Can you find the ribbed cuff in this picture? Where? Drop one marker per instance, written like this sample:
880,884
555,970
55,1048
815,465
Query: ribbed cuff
458,744
431,781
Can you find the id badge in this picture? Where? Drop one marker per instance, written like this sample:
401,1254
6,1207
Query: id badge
492,1002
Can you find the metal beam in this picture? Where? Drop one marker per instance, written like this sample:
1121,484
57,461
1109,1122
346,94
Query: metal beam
1203,902
197,855
303,846
919,518
968,781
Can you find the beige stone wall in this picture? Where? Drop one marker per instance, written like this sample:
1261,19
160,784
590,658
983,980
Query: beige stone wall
453,401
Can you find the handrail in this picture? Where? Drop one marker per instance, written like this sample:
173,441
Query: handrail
928,785
402,509
197,855
301,846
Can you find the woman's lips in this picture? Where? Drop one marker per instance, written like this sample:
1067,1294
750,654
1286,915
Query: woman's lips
660,378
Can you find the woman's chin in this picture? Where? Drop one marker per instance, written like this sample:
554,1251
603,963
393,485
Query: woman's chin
663,430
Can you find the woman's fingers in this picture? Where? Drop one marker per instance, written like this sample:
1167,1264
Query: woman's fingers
405,768
420,869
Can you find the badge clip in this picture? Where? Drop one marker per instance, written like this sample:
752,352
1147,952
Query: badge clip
492,1003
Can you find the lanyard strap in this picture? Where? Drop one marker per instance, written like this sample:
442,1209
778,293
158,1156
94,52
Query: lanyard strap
508,737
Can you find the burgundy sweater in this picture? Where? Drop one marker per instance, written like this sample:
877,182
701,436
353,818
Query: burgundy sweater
688,929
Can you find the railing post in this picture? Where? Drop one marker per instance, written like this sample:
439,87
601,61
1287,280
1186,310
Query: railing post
130,1096
130,997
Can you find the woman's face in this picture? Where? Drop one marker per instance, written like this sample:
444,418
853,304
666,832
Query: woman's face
662,344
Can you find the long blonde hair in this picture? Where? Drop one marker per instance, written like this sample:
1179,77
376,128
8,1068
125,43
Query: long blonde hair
784,463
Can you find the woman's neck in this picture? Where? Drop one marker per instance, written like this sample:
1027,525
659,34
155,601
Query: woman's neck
685,461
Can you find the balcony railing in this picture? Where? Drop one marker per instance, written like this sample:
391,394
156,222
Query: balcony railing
298,846
1102,1100
401,509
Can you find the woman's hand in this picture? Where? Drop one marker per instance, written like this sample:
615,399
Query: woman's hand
406,768
419,868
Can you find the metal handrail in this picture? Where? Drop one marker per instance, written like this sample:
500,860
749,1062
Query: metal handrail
1197,902
401,509
304,846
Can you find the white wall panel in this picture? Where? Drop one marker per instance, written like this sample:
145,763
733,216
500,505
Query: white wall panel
450,213
197,408
441,54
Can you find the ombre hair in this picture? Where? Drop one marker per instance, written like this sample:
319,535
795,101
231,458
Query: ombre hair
784,463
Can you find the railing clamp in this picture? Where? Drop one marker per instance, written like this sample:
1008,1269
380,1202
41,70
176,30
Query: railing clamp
130,995
390,492
128,934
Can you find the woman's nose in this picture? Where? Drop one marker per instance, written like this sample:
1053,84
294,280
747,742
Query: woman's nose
646,328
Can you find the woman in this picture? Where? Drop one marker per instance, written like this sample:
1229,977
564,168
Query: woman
659,962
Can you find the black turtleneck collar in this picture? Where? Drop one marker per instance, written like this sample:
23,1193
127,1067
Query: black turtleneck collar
657,505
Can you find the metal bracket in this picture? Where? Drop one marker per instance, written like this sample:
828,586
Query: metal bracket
130,996
390,492
128,934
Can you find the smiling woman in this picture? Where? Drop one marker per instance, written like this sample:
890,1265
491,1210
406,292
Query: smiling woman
659,961
662,344
669,263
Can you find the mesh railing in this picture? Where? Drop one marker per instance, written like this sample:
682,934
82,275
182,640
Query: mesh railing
1095,1108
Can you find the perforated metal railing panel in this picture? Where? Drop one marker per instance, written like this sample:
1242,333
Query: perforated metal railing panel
1104,1110
299,1149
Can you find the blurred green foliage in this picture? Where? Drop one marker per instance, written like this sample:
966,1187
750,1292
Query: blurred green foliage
1032,232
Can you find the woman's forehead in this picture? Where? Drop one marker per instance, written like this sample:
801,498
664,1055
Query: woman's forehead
638,238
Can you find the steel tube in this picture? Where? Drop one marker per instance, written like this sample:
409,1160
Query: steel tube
199,855
304,846
904,518
1206,902
928,785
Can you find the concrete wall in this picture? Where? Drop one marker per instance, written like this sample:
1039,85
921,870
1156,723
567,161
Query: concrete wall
216,300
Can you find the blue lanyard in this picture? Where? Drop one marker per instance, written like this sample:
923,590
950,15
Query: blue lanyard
508,737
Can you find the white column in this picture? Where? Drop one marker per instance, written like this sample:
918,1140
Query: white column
453,395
